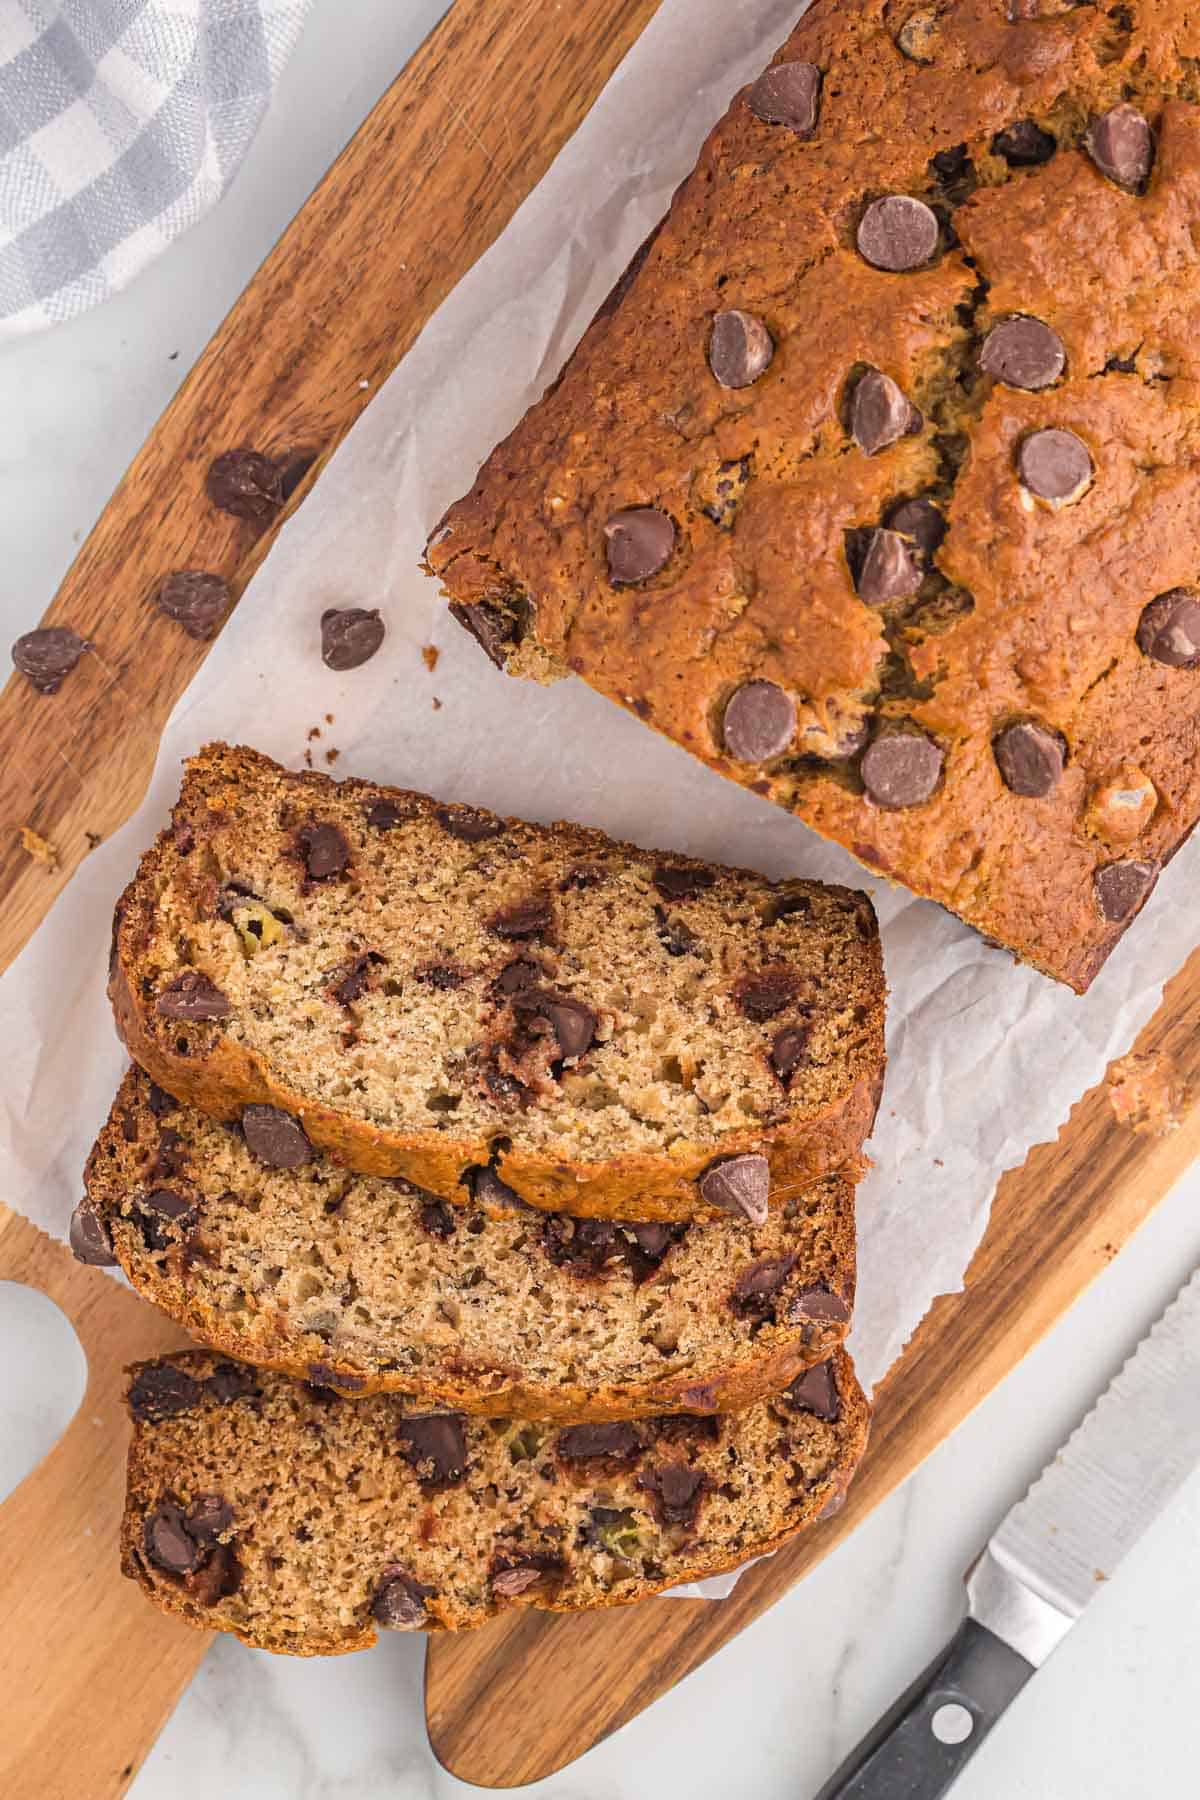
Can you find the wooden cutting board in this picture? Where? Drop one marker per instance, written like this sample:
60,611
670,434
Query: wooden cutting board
430,179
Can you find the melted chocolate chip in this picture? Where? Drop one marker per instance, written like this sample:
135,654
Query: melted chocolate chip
168,1544
207,1517
640,540
578,1443
1121,144
166,1217
46,656
275,1137
88,1237
219,1576
583,876
1169,630
350,636
815,1391
384,815
757,1288
468,823
247,484
436,1446
1024,145
491,628
898,233
192,997
763,995
676,1493
194,599
1055,465
160,1391
1023,353
232,1381
524,919
1030,758
759,722
901,769
884,565
789,1050
159,1101
399,1600
788,94
515,977
740,349
573,1023
740,1185
880,413
1121,887
437,1218
440,976
674,935
920,520
590,1249
487,1190
324,850
676,883
355,978
818,1304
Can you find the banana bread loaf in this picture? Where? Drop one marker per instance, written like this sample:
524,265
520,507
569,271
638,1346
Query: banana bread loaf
874,484
303,1522
423,990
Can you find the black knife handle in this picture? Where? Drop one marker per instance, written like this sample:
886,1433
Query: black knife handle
902,1758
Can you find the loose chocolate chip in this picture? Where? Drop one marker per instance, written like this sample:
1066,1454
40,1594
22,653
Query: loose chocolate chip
880,413
1121,144
232,1381
385,815
1030,758
1024,145
818,1304
324,849
884,565
517,975
350,636
468,823
920,520
676,1491
898,233
640,540
580,1442
1169,630
524,919
1023,353
757,1287
194,599
1055,465
437,1218
759,722
573,1023
161,1391
207,1517
246,484
89,1239
788,94
901,769
167,1543
192,997
789,1048
275,1137
740,349
815,1391
436,1446
219,1576
159,1101
674,935
323,1374
675,883
47,656
399,1600
491,628
487,1190
739,1184
1121,887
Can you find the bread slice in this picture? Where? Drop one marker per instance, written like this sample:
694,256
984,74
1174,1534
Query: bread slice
369,1284
423,989
302,1522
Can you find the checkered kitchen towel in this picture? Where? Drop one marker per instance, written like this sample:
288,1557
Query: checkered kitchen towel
121,123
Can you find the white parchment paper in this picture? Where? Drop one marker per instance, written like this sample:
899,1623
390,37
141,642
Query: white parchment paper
986,1058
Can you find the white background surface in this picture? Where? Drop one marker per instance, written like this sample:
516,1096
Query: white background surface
1112,1717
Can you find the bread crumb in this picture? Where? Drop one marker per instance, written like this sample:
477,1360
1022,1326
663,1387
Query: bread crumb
437,705
38,848
314,731
329,718
331,756
429,656
1146,1094
94,839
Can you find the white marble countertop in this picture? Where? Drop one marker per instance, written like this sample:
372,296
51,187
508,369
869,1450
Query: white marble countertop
1110,1718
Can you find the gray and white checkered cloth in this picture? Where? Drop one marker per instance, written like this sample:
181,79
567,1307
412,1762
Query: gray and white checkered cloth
121,122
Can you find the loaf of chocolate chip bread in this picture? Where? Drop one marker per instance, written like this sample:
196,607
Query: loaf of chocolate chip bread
303,1522
367,1283
875,483
425,990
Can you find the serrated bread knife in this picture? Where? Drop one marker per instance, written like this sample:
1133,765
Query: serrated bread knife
1110,1480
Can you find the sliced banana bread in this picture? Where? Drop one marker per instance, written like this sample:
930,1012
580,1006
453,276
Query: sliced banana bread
303,1522
422,989
369,1284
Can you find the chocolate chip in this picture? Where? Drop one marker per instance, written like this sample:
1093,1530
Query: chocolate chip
487,1190
167,1543
1030,758
884,566
350,636
740,349
818,1304
515,1580
1121,887
920,520
385,815
160,1391
524,919
640,540
219,1576
815,1391
437,1218
517,975
1055,465
788,94
579,1442
468,823
323,1374
676,883
192,997
1023,353
654,1240
901,769
759,722
47,656
573,1023
739,1184
674,935
275,1137
898,233
676,1492
166,1217
355,978
1024,145
1169,630
491,628
757,1287
880,414
436,1447
324,849
1121,144
232,1381
246,484
171,1155
194,599
88,1237
789,1049
399,1600
440,976
159,1101
764,994
207,1517
583,876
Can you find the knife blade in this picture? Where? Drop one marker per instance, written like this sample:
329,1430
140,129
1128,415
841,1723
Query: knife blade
1044,1562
